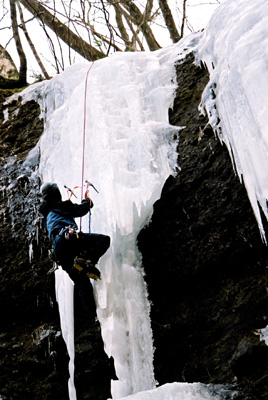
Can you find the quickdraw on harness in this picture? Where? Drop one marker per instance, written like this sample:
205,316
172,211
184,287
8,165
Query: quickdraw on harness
69,233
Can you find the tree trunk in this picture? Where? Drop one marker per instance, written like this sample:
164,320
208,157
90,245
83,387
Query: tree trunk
135,39
23,60
63,32
183,18
138,18
167,15
121,27
31,44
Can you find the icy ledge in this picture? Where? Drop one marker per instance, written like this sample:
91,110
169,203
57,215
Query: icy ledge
185,391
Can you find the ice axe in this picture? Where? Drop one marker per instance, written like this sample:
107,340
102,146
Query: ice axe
71,191
91,184
86,194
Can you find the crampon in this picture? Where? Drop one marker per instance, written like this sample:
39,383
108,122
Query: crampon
87,267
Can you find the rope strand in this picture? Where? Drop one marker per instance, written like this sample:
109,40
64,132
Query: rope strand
84,137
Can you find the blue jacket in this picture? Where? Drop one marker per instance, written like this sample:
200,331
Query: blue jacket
62,213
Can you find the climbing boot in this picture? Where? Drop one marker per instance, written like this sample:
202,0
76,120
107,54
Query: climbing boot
87,267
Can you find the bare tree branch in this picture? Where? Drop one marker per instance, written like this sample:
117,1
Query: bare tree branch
148,9
68,13
51,47
183,17
64,33
133,25
121,26
130,45
106,16
102,38
137,17
5,12
135,38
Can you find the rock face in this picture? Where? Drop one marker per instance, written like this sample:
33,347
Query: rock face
33,353
204,260
7,67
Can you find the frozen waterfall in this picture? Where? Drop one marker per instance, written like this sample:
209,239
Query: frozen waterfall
130,151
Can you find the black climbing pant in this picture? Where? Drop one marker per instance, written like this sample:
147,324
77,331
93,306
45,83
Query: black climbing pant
90,246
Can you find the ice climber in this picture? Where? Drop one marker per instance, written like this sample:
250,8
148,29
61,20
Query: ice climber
76,252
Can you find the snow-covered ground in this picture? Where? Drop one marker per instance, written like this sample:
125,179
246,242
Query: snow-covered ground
129,154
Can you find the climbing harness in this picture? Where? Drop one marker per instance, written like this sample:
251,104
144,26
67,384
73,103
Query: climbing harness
69,232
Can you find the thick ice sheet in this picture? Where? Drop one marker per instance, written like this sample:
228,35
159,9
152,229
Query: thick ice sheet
130,151
185,391
65,296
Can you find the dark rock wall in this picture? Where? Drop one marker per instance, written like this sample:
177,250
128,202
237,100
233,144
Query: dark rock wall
205,263
34,360
204,260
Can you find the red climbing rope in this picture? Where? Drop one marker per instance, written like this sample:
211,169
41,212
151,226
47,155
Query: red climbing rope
84,131
84,137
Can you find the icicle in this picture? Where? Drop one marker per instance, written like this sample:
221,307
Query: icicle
30,252
64,294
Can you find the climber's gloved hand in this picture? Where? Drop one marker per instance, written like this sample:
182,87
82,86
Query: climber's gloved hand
89,199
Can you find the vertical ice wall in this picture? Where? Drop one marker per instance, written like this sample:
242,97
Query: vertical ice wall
65,297
235,49
130,151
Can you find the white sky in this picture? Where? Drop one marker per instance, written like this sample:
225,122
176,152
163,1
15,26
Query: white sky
198,13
